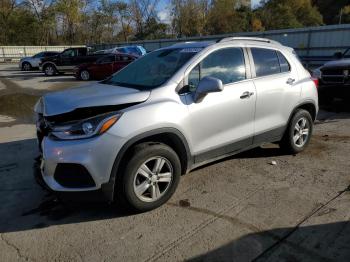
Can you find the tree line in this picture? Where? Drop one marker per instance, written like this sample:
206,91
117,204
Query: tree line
55,22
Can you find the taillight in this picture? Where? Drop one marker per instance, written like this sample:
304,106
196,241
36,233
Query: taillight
315,80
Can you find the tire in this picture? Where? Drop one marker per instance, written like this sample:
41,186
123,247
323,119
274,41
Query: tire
146,189
84,75
294,140
50,70
26,66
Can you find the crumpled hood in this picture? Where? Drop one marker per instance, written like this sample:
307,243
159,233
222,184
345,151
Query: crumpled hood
93,95
338,63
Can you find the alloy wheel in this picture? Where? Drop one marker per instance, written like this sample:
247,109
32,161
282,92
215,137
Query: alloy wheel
49,70
26,67
153,178
84,75
301,132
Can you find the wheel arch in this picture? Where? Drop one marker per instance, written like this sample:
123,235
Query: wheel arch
309,106
26,62
49,63
169,136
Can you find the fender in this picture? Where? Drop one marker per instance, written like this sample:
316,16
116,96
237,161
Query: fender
48,62
108,188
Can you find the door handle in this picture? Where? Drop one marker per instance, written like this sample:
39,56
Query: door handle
246,95
290,81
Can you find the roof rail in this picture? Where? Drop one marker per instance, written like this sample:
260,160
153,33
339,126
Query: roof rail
257,39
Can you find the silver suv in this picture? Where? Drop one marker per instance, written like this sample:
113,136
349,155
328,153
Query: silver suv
134,134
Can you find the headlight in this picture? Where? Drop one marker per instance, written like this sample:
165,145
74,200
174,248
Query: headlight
86,128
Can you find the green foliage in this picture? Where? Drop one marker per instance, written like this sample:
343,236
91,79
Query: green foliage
54,22
280,14
224,17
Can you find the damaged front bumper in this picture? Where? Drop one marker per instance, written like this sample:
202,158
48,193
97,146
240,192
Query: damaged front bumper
79,165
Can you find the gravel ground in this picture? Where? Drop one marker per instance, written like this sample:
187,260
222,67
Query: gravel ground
239,209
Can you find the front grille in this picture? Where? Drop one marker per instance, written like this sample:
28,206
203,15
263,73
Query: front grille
73,176
333,79
334,75
337,72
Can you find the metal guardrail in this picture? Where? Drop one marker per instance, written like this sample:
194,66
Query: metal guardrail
311,42
15,53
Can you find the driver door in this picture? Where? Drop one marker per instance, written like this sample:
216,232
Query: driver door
222,122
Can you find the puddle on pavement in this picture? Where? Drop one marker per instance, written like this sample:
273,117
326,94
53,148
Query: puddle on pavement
19,106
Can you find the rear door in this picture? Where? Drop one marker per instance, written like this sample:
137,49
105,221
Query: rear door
278,91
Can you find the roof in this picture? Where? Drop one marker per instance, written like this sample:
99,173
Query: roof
204,44
201,44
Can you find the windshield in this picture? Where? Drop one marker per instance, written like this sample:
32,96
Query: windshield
153,69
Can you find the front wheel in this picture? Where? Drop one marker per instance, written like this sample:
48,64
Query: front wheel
26,66
84,75
298,133
151,176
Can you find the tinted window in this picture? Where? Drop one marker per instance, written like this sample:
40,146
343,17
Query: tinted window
39,55
225,64
153,69
134,50
69,53
125,58
106,59
285,67
266,62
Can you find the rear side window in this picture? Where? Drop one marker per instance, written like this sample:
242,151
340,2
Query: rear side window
125,58
285,67
106,59
266,62
226,64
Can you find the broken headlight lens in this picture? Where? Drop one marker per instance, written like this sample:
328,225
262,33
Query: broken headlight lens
86,128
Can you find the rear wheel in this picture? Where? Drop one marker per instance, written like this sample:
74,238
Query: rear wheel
26,66
298,133
50,70
151,176
84,75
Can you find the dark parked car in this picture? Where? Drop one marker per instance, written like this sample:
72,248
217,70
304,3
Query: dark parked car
32,62
334,78
67,60
103,67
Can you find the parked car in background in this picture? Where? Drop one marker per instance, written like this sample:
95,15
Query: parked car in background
136,50
334,78
133,135
32,62
103,67
67,60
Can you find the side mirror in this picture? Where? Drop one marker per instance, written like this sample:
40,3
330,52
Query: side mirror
205,86
338,55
